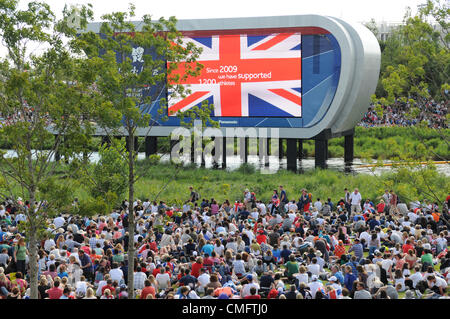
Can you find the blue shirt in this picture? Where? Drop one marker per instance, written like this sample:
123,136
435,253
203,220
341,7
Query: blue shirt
348,281
208,249
373,223
285,253
276,254
339,277
358,250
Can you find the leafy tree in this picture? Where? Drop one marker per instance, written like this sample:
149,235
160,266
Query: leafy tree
118,43
415,65
109,174
46,99
416,57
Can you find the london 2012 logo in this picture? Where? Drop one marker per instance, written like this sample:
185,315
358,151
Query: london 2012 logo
74,18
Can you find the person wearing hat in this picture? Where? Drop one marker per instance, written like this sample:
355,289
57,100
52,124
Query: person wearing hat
333,288
334,282
123,294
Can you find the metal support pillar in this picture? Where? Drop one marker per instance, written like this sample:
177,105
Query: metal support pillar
291,154
151,144
348,148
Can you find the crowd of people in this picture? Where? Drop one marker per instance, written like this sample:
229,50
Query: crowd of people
399,114
280,248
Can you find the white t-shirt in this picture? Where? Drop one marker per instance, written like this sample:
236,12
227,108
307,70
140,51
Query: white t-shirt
355,198
219,250
293,207
366,236
314,286
254,215
101,284
441,282
163,280
292,217
302,277
263,208
412,217
59,222
441,241
116,274
318,205
416,277
247,287
203,279
49,243
314,269
386,264
81,286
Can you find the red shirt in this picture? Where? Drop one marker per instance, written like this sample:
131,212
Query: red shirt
196,269
253,297
153,246
261,239
146,291
111,288
339,250
156,271
380,207
55,293
406,248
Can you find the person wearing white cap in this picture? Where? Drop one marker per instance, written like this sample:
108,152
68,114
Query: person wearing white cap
314,285
334,283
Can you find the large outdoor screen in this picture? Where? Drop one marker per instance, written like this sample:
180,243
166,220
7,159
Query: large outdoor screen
246,76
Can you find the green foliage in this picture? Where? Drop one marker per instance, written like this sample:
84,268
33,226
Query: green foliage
110,173
415,59
247,169
49,99
388,143
95,206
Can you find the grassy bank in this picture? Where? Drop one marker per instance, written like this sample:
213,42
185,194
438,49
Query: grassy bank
391,143
172,184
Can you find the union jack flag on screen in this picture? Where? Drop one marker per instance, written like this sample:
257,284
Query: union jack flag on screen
246,76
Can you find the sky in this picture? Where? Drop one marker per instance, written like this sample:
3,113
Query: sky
352,10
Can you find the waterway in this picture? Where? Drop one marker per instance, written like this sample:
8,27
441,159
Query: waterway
275,164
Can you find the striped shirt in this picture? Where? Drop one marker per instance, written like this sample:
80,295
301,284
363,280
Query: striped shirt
139,280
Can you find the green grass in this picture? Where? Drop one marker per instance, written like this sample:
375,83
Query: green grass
172,184
390,143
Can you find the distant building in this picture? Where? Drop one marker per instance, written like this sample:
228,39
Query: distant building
385,29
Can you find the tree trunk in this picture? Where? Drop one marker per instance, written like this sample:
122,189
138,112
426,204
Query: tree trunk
32,248
33,261
131,223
